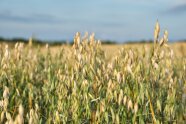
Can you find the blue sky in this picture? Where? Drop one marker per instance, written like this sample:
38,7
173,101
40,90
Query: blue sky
119,20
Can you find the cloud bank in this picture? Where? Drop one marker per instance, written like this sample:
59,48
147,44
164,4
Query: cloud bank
179,9
32,18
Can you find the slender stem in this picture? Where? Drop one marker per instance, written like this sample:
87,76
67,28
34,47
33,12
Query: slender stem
152,110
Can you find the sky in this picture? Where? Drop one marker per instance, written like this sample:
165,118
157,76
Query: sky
117,20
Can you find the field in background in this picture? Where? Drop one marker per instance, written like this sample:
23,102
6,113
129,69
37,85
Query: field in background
112,49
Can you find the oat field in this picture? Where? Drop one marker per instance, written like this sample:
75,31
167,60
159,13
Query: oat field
93,83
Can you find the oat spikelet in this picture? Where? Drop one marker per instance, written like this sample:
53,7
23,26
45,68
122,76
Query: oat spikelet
7,53
77,40
6,93
135,108
165,37
120,96
21,110
124,100
19,119
129,106
156,32
162,41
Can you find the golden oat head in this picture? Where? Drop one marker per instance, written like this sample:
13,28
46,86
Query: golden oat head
156,32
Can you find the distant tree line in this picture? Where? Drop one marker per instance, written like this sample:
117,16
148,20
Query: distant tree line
59,42
34,40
